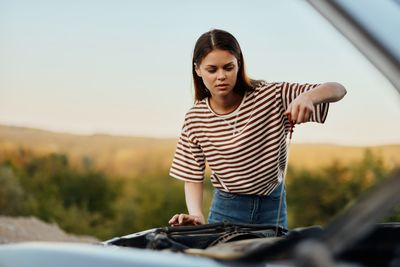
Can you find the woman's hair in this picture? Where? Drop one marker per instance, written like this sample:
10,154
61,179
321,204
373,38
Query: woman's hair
219,39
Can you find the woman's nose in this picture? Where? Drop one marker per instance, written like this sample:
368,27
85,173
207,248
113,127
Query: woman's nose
221,75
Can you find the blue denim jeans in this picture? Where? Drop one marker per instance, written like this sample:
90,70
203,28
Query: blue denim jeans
251,209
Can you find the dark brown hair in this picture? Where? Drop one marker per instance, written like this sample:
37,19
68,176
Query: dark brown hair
219,39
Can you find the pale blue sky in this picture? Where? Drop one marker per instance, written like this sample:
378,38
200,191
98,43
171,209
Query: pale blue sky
124,67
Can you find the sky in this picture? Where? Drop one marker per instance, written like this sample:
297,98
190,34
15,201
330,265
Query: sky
124,67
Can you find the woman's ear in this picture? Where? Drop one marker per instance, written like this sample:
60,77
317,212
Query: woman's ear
197,69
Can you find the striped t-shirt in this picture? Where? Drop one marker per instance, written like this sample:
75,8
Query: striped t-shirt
245,149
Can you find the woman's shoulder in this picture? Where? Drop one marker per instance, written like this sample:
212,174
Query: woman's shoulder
199,107
263,85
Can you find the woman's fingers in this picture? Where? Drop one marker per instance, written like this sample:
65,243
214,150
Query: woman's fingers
184,219
178,219
197,221
292,113
300,109
300,116
173,220
299,113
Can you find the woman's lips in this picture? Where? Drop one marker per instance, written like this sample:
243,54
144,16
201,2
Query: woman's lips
224,85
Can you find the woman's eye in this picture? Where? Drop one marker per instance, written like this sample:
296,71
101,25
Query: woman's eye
211,70
229,68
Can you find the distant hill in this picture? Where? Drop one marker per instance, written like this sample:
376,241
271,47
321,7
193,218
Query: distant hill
133,156
118,155
311,156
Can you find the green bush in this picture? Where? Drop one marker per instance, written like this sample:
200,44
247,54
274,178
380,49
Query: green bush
316,197
11,192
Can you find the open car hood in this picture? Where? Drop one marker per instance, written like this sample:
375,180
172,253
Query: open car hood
352,236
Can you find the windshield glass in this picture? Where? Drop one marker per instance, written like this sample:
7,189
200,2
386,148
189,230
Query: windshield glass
93,96
380,18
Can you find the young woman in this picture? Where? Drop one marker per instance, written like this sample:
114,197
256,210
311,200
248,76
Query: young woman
239,126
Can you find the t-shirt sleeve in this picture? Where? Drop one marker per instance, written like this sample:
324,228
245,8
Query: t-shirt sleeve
289,91
189,162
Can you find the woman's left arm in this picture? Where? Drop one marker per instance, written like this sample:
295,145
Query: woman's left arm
303,106
326,92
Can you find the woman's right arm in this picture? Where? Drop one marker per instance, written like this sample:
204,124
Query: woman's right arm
194,199
194,203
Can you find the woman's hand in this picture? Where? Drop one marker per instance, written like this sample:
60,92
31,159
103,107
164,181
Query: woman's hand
186,219
194,200
301,109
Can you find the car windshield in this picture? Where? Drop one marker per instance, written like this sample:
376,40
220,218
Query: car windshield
380,18
96,93
373,27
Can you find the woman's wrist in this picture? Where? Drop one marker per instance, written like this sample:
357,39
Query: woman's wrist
312,96
197,214
200,216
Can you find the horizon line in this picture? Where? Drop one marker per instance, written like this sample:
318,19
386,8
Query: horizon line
75,133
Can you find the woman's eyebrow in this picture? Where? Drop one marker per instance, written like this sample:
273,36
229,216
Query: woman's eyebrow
227,64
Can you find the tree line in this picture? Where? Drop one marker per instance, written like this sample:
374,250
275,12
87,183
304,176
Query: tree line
89,202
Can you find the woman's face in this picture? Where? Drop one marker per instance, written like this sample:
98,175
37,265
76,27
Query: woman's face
218,69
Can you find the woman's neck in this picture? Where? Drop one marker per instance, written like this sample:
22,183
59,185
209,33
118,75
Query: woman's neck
225,105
